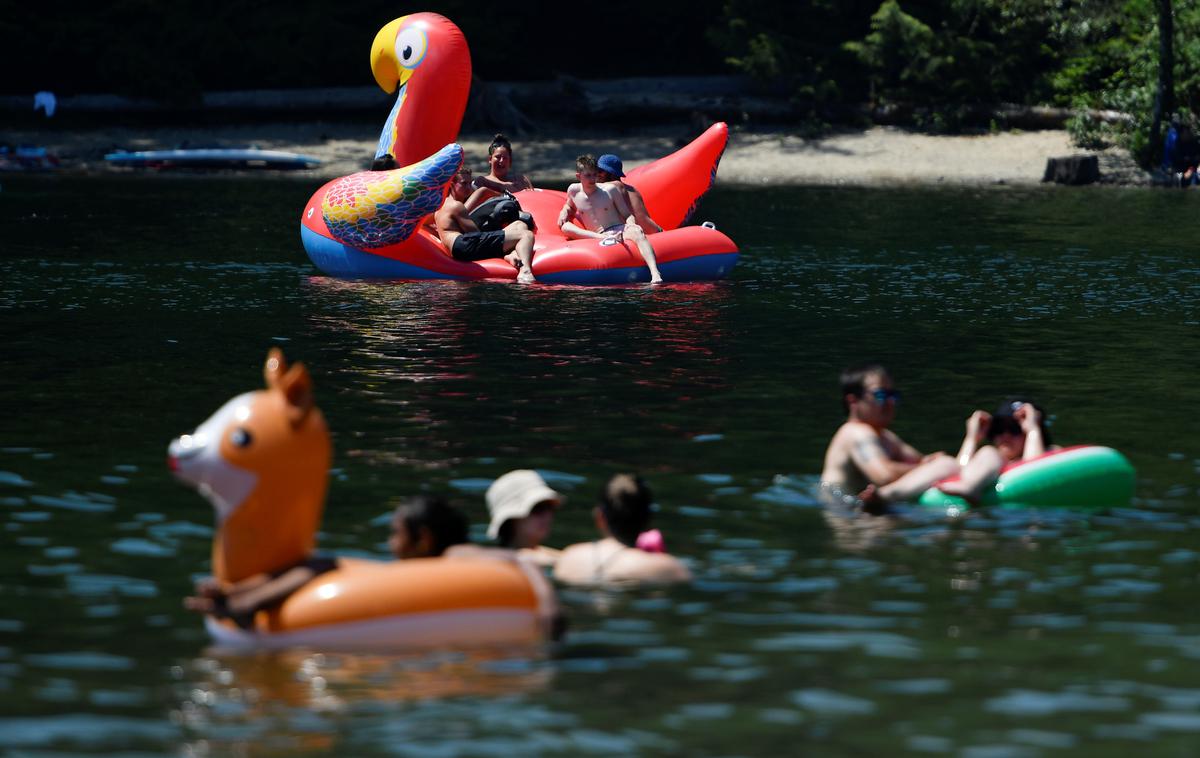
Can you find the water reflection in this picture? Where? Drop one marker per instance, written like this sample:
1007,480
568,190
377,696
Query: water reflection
297,700
1002,632
421,353
253,684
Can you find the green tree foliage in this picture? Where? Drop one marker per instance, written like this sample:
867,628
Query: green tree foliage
1113,64
796,47
959,51
900,55
946,54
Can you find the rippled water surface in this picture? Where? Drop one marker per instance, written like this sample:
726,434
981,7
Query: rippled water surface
133,308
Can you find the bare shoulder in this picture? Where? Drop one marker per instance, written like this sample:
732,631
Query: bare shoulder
849,436
851,432
666,569
541,556
480,552
575,563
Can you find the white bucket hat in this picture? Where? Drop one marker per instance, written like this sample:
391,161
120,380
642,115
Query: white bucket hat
514,495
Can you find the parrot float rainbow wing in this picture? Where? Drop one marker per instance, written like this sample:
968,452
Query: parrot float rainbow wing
369,225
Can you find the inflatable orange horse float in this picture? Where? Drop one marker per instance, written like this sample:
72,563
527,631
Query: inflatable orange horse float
369,224
262,460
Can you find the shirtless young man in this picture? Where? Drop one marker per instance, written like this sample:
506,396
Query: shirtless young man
609,170
868,458
601,213
466,243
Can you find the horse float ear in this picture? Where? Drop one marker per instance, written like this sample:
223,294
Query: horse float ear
293,381
297,388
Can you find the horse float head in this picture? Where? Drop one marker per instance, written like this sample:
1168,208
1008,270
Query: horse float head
262,460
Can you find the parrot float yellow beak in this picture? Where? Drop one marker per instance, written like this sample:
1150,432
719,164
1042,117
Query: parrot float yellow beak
387,70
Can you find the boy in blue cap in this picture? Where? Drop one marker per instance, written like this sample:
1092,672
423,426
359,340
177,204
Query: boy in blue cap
602,213
610,171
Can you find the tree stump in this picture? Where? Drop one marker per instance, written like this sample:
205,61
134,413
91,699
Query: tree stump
1072,169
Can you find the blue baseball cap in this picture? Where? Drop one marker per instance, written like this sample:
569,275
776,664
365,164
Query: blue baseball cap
610,164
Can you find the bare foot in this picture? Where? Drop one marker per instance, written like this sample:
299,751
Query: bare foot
526,277
514,260
656,280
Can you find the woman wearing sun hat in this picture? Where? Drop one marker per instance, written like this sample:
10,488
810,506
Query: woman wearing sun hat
522,506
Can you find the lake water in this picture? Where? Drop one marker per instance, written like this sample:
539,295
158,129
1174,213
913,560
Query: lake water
133,307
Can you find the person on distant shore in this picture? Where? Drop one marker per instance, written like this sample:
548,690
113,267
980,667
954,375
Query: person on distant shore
621,556
1017,432
465,242
424,527
522,508
1181,153
601,213
866,457
610,171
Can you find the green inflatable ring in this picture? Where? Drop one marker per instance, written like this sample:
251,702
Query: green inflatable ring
1085,477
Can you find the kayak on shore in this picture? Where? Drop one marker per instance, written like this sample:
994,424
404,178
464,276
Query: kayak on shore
212,158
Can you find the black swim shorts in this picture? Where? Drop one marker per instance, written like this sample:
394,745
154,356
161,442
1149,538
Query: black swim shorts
475,246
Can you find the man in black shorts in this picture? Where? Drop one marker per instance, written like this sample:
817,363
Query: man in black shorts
465,242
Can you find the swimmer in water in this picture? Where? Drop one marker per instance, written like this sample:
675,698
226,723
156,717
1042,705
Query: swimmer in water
425,527
522,508
622,517
866,457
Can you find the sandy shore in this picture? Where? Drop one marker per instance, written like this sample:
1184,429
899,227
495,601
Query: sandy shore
878,156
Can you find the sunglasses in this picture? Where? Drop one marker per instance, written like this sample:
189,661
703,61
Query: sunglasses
882,396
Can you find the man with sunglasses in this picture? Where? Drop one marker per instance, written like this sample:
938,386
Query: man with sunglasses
868,458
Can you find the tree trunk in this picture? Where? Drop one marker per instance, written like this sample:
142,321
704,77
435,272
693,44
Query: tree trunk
1164,99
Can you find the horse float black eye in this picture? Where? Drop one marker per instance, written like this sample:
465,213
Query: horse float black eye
240,437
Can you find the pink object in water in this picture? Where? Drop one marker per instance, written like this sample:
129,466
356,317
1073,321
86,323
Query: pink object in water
651,541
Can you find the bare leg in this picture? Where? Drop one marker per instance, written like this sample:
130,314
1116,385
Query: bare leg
519,240
911,485
635,233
